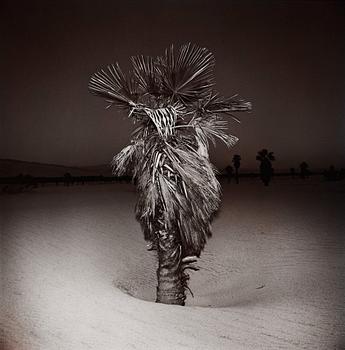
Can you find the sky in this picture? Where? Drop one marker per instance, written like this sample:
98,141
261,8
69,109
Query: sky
286,57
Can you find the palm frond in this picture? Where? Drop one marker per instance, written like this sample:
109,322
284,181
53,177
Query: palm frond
216,104
214,128
187,75
178,185
264,155
146,74
271,156
114,86
122,161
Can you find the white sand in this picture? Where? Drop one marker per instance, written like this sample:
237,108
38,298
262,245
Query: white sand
272,276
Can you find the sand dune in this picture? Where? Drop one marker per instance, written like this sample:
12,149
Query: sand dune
76,273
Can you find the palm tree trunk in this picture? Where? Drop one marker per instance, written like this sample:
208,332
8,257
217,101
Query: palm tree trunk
236,175
170,289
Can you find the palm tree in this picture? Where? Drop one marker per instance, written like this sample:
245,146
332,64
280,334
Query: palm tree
304,170
236,160
266,169
177,112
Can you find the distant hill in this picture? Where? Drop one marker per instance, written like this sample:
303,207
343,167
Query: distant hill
102,169
11,167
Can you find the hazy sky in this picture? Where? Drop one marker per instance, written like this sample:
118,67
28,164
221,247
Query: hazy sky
286,57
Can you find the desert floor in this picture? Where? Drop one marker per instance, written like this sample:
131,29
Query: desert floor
76,273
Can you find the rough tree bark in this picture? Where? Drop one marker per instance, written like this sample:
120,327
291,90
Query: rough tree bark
170,276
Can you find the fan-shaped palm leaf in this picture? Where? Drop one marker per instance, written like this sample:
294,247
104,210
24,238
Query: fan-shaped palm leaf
213,128
215,104
113,85
188,75
146,74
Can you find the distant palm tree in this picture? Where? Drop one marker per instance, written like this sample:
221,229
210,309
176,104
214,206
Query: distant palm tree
304,170
266,169
172,102
236,160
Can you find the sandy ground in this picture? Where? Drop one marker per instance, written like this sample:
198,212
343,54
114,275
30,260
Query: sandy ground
76,273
